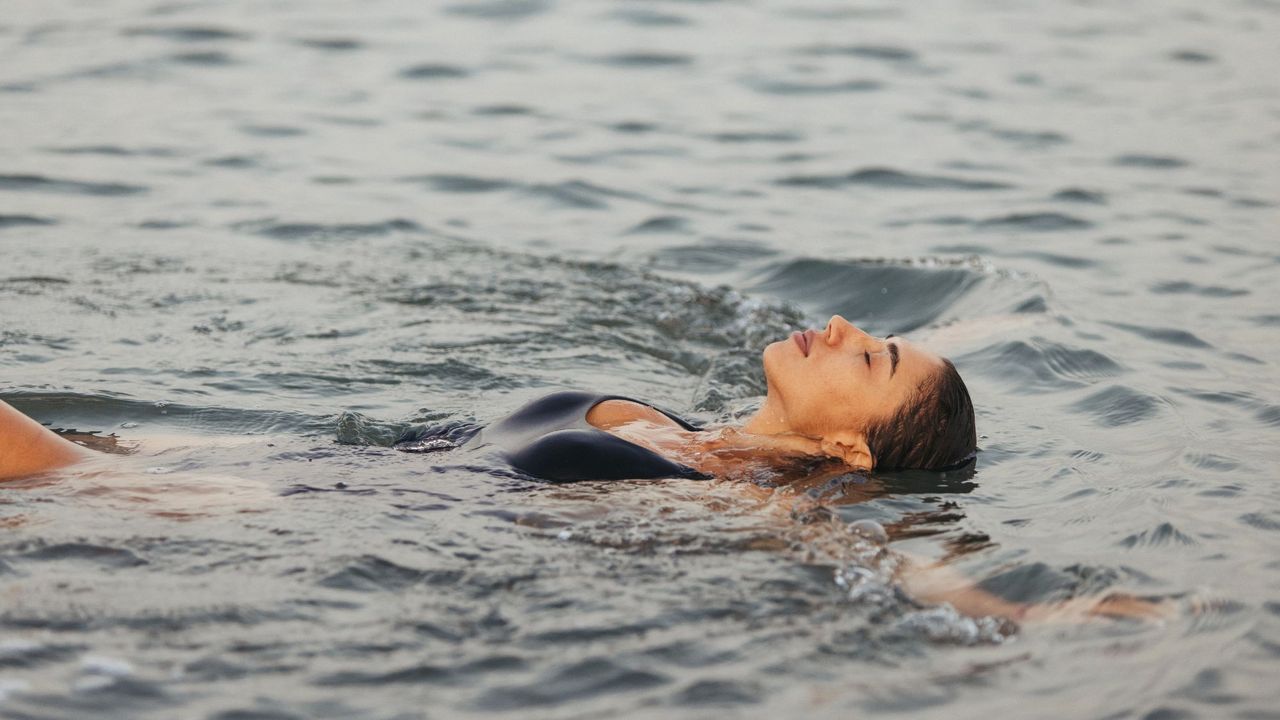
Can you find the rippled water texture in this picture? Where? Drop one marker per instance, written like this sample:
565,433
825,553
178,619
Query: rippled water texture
255,241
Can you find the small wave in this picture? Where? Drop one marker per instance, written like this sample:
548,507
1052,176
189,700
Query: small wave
503,110
331,44
1270,415
101,412
796,87
720,693
371,573
892,179
8,221
447,371
1066,261
1183,287
661,224
322,231
508,10
1152,162
353,428
272,131
1163,534
1035,222
1080,195
711,255
101,555
1269,521
1040,365
462,183
590,677
1118,405
634,127
25,654
741,137
115,151
416,674
163,224
1209,461
235,162
576,194
890,296
188,33
643,60
1031,138
1192,56
207,58
40,183
889,53
1172,336
643,17
434,71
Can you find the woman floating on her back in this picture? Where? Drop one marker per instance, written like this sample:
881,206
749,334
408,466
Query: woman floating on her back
839,396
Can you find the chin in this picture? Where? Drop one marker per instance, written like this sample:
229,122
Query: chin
772,355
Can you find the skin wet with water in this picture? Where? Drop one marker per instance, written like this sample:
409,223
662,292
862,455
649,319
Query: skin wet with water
310,228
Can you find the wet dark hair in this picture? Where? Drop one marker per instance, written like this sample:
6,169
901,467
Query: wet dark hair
933,430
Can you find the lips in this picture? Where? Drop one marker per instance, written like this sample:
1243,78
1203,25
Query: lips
804,340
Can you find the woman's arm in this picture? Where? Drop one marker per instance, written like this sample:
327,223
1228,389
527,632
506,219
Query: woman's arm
938,583
933,582
27,447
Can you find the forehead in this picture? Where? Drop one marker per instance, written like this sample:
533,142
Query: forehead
915,360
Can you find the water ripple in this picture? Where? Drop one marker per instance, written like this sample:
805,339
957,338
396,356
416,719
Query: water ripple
323,232
642,60
1039,365
584,679
890,53
434,71
1035,222
1163,534
1150,162
9,221
892,179
797,87
502,10
1118,406
40,183
188,33
1172,336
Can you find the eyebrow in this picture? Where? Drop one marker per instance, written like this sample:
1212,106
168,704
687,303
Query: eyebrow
893,358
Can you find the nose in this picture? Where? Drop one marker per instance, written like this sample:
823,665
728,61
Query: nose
840,331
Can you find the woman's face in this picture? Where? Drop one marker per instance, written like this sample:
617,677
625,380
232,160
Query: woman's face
842,379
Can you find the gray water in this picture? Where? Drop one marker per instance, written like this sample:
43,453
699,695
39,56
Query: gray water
255,241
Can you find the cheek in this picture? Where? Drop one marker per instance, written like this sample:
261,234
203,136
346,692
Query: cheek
817,397
842,398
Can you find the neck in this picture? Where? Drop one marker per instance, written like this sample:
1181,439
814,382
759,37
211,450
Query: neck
769,431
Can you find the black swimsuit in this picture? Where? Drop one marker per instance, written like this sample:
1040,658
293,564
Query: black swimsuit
551,439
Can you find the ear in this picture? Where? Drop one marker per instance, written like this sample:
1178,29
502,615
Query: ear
850,447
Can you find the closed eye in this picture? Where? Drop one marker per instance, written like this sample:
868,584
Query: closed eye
867,356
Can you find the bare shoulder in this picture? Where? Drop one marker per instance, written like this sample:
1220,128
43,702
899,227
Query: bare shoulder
614,413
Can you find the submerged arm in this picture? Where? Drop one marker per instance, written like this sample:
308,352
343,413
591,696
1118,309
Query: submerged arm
27,447
938,583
